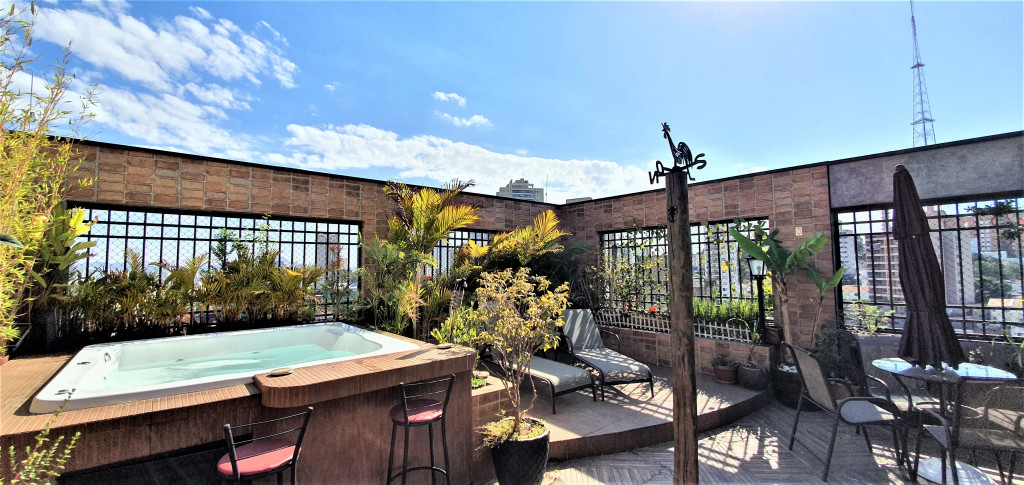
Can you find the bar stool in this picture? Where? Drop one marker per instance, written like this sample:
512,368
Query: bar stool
422,405
264,448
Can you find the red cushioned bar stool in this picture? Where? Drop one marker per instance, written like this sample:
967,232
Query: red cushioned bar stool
423,404
264,448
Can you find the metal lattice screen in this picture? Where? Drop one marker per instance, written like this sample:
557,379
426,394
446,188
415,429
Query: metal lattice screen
444,252
979,247
176,237
636,259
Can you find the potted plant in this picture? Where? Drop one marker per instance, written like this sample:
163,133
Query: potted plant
724,369
750,374
519,316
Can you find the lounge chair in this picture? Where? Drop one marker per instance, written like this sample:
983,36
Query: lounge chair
855,411
583,341
560,378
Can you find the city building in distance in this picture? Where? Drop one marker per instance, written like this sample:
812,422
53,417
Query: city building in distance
521,189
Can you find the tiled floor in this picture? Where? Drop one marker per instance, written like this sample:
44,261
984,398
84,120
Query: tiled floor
753,450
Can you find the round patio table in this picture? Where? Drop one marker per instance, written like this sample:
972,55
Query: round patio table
931,469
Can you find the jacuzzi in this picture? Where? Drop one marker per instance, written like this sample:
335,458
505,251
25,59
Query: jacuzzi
104,374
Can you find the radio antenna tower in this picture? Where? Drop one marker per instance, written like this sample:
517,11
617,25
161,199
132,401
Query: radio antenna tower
923,130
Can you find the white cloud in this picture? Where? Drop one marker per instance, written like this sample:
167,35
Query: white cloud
168,53
522,152
200,13
464,122
108,7
438,95
332,86
217,95
277,35
167,120
339,148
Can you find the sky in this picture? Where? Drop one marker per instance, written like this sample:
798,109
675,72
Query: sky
568,95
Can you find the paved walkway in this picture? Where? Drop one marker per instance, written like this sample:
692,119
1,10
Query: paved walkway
753,450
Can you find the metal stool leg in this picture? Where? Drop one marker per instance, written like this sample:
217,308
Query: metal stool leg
405,456
430,433
391,455
444,447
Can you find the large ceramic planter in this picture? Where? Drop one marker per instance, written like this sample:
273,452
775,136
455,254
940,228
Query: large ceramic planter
753,378
725,374
521,461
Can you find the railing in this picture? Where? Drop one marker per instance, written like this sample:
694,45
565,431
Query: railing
660,324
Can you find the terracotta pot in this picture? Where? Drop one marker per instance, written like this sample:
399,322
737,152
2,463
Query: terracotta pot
726,374
3,360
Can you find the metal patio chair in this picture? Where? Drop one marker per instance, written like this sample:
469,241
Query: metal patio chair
264,448
996,427
815,388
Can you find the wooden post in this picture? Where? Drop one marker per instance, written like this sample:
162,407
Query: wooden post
684,377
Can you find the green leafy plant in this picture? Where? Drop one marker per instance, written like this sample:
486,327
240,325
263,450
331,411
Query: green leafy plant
723,361
1007,211
632,273
778,260
461,328
824,286
34,165
388,292
522,247
833,348
520,316
43,461
865,316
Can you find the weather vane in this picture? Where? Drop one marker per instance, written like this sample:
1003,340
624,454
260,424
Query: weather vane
682,159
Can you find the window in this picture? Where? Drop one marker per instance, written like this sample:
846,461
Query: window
176,237
444,252
635,262
978,245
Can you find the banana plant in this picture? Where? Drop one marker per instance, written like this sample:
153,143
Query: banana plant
779,261
823,285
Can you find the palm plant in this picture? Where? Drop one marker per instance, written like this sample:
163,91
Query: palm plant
426,217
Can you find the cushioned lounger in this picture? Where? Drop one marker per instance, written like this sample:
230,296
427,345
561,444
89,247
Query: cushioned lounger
583,339
560,378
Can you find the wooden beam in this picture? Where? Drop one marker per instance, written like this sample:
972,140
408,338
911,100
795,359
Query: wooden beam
684,377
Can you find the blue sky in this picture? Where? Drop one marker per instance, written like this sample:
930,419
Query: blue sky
572,93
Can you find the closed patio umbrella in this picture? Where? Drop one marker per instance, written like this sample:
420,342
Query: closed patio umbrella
928,336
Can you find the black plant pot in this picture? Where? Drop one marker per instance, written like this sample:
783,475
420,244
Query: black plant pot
753,378
521,461
787,388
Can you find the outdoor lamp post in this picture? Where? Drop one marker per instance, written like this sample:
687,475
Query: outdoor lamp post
757,272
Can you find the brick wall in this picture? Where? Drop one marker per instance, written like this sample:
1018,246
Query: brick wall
156,179
790,199
655,348
163,180
487,402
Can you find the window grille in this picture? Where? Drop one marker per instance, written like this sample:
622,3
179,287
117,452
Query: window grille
176,237
444,252
980,257
641,256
